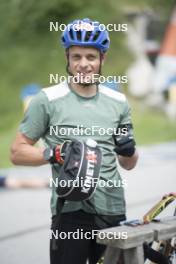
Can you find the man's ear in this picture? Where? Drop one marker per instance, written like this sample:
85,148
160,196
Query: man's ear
67,54
103,58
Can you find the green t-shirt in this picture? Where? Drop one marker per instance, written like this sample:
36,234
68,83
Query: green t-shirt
52,115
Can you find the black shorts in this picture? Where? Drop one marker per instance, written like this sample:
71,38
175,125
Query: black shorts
73,241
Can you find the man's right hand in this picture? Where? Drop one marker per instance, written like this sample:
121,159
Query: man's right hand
57,154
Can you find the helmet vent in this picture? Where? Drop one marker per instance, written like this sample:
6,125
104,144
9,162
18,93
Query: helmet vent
79,35
105,42
63,39
71,33
97,34
88,35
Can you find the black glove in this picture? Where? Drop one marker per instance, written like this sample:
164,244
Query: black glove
125,144
57,154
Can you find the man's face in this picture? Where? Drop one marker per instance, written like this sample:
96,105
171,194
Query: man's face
84,62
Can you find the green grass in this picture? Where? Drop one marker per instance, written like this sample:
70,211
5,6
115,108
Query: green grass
152,126
32,61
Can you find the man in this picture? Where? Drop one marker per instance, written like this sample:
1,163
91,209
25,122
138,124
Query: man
92,108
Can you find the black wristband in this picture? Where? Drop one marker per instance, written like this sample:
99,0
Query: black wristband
126,152
48,155
125,146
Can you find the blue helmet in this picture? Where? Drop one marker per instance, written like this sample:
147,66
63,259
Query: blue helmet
86,32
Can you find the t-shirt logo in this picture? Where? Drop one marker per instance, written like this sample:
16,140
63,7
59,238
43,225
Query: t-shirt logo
92,157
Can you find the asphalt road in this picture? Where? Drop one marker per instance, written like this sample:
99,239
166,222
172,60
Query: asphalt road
25,214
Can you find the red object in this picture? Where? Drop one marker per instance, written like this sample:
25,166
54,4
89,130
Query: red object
58,157
169,43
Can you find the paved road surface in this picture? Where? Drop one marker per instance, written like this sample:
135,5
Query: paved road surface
25,214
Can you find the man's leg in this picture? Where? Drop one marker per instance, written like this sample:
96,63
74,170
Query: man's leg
69,251
69,248
96,252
